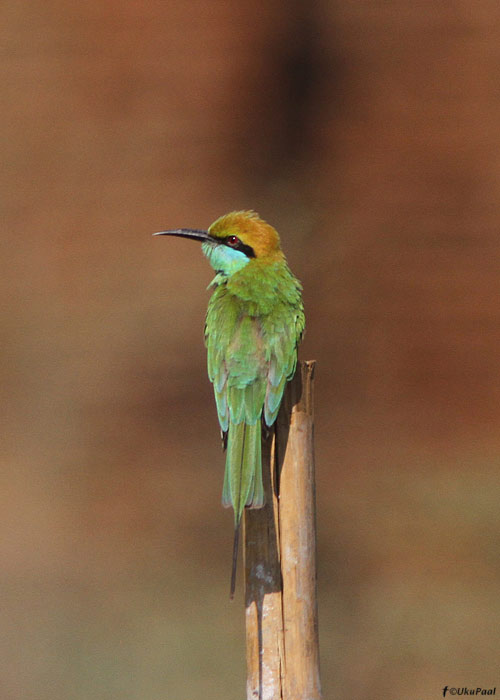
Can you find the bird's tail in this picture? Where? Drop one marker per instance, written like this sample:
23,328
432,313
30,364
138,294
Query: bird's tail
243,477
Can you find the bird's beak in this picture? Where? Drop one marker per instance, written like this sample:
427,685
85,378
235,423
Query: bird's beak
193,233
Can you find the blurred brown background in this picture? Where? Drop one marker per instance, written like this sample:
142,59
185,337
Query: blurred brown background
368,134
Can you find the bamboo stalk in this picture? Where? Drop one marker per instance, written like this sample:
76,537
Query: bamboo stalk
280,558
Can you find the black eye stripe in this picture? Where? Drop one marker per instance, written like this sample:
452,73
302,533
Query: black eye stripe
248,250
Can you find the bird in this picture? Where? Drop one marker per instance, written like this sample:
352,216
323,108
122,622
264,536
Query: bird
254,323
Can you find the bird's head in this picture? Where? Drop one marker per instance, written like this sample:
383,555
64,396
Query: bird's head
234,240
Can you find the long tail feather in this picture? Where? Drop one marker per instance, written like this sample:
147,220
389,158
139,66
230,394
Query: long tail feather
243,477
235,560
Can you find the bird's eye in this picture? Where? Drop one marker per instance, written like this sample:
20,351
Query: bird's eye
233,241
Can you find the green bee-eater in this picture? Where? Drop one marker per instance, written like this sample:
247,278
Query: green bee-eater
254,322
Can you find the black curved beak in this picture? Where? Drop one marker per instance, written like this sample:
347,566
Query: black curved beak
193,233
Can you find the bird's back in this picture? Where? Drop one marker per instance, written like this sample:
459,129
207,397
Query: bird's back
254,322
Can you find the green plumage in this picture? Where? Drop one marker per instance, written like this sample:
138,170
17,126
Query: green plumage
254,322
